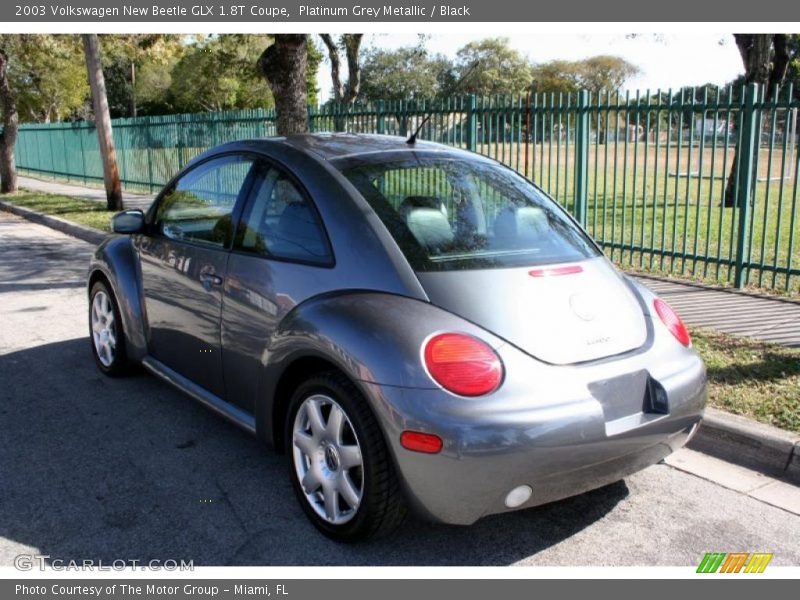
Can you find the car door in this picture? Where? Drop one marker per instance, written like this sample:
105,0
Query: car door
281,256
184,261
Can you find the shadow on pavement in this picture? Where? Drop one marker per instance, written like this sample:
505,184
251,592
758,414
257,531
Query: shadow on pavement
130,469
31,260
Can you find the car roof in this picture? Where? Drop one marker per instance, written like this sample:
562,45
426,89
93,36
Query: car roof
334,146
331,146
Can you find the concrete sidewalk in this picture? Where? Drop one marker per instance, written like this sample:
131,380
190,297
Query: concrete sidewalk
97,194
766,318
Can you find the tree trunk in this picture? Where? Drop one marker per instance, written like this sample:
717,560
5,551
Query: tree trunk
352,45
102,119
780,62
284,65
336,66
759,67
8,139
344,94
133,112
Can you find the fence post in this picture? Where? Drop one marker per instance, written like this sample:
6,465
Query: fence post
83,152
582,128
746,181
472,124
381,117
146,127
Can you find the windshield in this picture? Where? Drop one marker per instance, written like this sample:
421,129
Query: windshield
448,213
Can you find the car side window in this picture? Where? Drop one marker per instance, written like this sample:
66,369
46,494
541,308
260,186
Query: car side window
199,207
281,222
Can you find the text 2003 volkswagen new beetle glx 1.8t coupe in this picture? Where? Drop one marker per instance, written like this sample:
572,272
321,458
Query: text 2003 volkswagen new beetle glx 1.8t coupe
414,325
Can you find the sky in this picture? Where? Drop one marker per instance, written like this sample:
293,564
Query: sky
668,60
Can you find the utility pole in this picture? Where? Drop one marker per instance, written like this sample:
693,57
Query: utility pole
102,118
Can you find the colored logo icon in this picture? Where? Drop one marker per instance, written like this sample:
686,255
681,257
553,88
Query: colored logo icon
734,562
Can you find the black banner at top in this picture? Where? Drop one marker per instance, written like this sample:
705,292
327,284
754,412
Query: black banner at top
377,11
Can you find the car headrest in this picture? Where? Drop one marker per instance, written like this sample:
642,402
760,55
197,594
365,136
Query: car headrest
525,222
430,226
412,202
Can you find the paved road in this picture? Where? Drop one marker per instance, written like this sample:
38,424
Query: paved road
131,469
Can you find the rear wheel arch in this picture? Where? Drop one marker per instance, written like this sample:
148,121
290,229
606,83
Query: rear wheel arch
299,370
95,276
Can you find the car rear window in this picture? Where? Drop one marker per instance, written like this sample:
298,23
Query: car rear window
448,213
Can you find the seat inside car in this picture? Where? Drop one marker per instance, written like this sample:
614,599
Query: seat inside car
523,224
426,218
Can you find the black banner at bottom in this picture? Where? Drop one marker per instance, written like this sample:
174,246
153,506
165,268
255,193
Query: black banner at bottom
385,589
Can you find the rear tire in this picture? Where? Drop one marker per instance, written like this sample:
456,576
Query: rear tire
339,464
106,334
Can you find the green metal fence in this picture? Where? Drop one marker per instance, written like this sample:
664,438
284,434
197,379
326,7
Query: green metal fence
647,174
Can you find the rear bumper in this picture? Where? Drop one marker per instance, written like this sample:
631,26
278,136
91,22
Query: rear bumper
559,430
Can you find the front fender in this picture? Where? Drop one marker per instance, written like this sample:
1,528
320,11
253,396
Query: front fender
116,259
374,338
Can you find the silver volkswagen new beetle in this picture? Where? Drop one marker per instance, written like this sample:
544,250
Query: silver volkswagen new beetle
413,325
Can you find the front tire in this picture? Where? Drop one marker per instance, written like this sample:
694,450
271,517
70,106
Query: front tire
105,332
340,467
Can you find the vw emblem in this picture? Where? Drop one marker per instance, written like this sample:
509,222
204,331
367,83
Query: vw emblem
583,306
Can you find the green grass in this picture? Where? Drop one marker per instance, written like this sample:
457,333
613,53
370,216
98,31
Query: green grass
83,212
752,378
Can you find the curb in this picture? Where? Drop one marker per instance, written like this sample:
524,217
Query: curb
87,234
749,444
726,436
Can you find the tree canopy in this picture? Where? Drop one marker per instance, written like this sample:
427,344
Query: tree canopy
138,71
227,67
151,74
409,73
501,68
413,73
48,76
596,74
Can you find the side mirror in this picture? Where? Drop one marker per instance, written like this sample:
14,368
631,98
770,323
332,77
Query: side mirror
128,221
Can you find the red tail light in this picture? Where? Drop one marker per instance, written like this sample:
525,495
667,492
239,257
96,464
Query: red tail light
673,322
463,364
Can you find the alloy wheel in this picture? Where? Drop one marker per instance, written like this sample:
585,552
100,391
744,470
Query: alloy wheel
327,459
104,329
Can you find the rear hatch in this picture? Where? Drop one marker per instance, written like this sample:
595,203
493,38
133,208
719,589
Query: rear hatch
560,314
490,247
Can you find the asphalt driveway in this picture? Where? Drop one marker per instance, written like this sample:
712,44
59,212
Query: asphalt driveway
93,468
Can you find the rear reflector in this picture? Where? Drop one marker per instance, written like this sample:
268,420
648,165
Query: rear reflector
421,442
463,364
673,322
553,271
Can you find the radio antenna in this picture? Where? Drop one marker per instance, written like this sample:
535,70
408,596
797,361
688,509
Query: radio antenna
454,88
